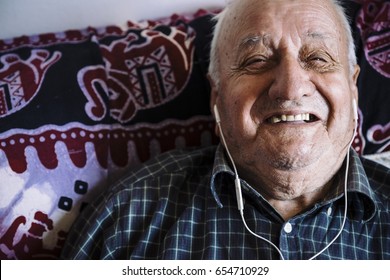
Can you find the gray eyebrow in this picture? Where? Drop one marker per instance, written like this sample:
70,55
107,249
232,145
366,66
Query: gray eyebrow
253,40
318,35
314,35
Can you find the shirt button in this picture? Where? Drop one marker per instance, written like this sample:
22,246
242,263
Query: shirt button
288,228
329,211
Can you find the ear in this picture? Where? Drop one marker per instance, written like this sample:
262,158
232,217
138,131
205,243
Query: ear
214,92
355,76
356,71
213,98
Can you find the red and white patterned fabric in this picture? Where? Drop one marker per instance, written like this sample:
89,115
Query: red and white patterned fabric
77,108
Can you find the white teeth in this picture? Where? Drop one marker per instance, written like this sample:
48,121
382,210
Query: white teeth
298,117
290,118
275,120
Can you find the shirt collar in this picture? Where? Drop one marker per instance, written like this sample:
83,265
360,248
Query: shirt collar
357,183
221,166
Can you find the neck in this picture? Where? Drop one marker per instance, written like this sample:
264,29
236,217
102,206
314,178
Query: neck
294,194
289,207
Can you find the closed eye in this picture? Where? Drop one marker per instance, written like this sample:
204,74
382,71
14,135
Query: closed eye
254,64
257,61
320,61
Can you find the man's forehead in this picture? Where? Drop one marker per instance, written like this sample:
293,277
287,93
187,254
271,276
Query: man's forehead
237,4
250,14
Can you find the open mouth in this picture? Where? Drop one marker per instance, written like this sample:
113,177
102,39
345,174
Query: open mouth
305,117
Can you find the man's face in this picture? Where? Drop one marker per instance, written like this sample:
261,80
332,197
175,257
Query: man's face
286,92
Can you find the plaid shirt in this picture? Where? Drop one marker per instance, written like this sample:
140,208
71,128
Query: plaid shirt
182,205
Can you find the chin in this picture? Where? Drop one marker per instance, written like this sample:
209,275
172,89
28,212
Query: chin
293,159
288,164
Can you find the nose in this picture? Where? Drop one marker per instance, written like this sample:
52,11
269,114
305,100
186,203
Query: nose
291,81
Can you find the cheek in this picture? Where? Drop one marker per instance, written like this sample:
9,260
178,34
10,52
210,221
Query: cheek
236,106
339,102
340,121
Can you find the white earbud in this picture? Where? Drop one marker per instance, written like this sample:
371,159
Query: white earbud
216,114
355,110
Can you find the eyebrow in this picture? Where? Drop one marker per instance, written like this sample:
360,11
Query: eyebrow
317,35
253,40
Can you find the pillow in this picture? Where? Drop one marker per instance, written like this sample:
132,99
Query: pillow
80,107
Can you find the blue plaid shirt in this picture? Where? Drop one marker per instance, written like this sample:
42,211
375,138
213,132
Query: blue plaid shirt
182,205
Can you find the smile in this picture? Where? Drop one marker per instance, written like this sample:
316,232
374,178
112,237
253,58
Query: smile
305,117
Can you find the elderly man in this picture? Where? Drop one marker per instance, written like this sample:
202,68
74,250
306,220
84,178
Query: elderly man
284,183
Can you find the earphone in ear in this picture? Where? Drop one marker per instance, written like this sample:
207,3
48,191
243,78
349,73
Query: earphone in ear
216,114
355,110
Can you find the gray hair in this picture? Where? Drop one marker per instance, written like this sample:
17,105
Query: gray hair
219,19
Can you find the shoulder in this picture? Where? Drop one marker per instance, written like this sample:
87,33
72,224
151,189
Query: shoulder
175,161
149,198
378,176
173,177
168,170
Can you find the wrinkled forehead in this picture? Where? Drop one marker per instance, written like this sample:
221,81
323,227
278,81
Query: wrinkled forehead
311,18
